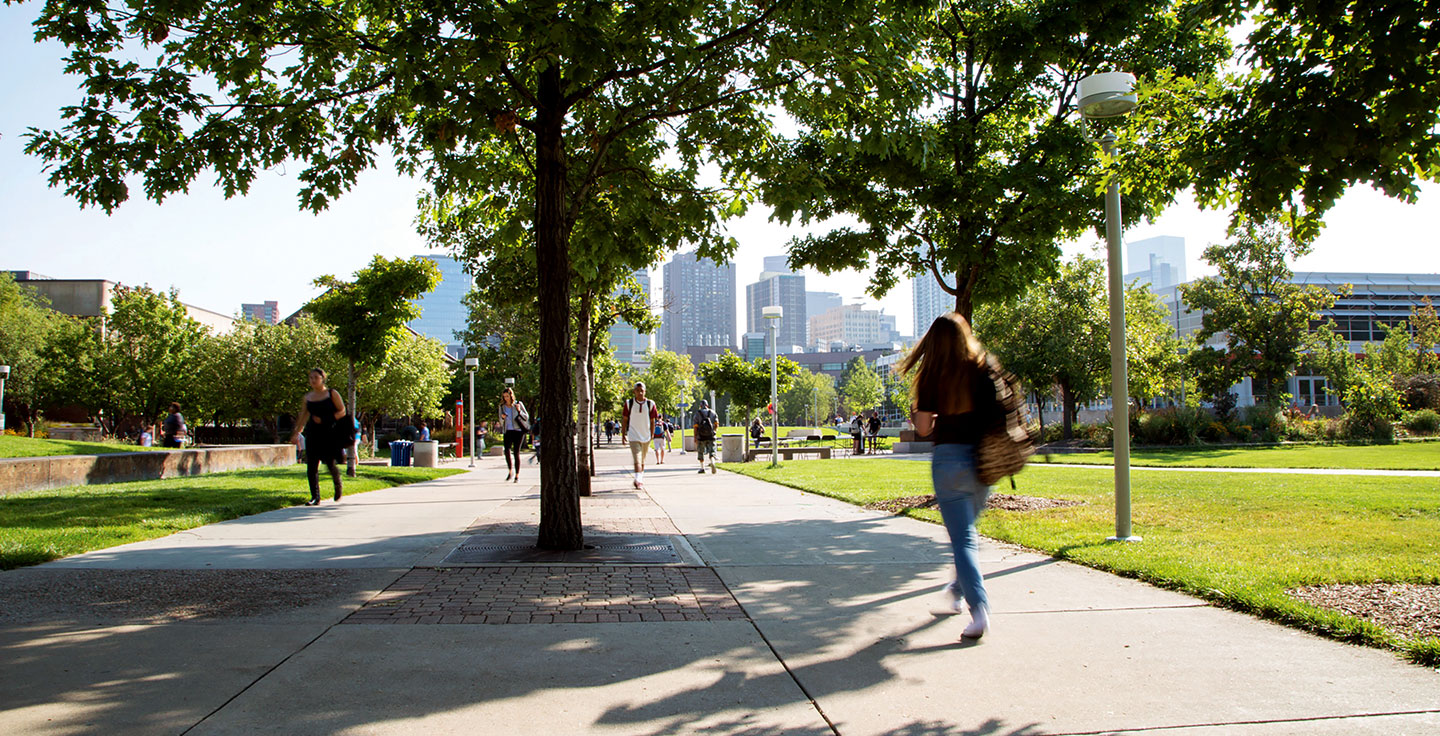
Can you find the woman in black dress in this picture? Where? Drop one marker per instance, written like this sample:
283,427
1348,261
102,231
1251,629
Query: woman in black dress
323,407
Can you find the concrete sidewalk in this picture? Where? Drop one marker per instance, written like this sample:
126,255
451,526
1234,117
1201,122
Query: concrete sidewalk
784,613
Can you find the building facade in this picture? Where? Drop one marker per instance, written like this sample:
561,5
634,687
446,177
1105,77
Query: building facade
931,301
850,324
699,304
91,298
442,309
267,312
630,345
783,290
1376,301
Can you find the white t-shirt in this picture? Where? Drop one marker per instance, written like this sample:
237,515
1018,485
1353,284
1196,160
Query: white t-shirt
639,429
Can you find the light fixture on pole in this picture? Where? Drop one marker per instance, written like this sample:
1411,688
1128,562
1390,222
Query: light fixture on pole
772,320
1108,95
470,365
4,374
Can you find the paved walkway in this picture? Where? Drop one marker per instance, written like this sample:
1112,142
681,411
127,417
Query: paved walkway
778,612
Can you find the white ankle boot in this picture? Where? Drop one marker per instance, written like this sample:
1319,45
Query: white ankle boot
979,623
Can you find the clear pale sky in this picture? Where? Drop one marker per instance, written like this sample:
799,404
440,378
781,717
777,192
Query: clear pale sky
221,253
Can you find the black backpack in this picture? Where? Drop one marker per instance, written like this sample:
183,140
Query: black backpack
706,427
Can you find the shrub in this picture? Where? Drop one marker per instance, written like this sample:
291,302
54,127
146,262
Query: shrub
1304,430
1215,431
1372,404
1425,421
1181,426
1422,391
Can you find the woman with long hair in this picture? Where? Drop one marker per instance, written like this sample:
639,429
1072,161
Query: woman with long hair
514,421
953,401
318,420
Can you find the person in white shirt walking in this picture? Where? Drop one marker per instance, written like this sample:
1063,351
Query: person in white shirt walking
637,421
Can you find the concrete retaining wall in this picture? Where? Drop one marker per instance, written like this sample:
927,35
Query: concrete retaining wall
35,473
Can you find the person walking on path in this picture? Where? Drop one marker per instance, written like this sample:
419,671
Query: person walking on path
660,440
173,430
515,422
636,424
706,422
952,397
322,409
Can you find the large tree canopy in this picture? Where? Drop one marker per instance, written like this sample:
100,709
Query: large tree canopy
967,163
529,108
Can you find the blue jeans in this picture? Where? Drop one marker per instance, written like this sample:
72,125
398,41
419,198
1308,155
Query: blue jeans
961,498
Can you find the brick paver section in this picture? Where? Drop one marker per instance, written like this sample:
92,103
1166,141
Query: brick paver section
551,594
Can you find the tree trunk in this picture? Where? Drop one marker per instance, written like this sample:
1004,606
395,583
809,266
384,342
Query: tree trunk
1040,412
590,379
1068,411
559,504
583,397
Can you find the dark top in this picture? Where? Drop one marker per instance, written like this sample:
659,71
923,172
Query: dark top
967,428
320,440
173,425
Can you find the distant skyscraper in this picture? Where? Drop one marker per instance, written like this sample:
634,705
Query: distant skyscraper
629,344
931,301
850,324
778,290
1157,261
777,264
442,309
267,312
818,302
699,304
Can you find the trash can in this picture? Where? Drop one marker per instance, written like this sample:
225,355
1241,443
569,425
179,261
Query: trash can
400,451
427,454
732,448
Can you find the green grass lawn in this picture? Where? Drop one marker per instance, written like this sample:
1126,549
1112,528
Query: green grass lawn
1404,456
1240,540
11,446
37,526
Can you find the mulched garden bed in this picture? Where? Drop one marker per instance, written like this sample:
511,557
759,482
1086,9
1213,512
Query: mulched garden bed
1003,501
1412,611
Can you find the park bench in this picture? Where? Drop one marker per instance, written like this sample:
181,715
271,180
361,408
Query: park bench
788,453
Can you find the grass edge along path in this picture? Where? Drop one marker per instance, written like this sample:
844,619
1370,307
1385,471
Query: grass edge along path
1237,540
43,525
1414,455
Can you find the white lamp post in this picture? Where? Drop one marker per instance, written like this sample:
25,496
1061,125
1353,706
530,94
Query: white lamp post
772,320
4,374
470,365
1108,95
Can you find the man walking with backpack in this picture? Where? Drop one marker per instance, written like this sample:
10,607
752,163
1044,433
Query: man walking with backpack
706,422
636,423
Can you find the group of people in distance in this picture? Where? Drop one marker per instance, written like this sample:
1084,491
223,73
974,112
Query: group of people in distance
953,401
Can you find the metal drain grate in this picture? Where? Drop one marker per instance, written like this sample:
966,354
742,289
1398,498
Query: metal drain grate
491,549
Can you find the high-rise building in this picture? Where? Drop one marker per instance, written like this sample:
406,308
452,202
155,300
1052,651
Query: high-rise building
931,301
267,312
850,324
1157,261
889,329
818,302
629,344
783,290
754,345
777,264
699,304
442,309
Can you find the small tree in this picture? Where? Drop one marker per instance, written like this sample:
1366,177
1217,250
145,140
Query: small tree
663,380
412,381
862,389
808,398
369,313
747,384
1265,317
149,353
26,324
